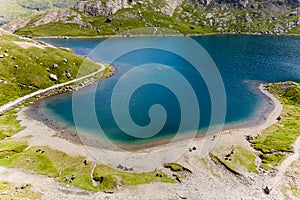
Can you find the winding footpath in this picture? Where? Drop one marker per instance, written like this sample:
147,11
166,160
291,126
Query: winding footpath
16,102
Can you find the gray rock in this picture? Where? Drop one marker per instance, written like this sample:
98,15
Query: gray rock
53,77
65,60
298,22
4,193
108,20
17,67
55,65
6,55
1,56
48,70
293,14
68,75
248,18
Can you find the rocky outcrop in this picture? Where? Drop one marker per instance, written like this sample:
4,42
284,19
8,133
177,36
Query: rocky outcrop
249,3
65,16
12,27
97,8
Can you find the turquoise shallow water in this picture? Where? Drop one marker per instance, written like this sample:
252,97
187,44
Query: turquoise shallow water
243,61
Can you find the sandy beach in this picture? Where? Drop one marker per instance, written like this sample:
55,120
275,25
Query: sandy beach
201,184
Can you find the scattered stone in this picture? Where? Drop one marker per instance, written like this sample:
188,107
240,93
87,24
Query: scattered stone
208,16
40,151
48,70
248,18
293,14
158,175
194,148
68,75
181,196
55,65
14,58
249,138
4,193
192,27
65,60
108,20
85,162
17,67
278,118
6,55
6,51
267,190
53,77
1,56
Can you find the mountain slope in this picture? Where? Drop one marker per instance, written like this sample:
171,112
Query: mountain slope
100,18
15,9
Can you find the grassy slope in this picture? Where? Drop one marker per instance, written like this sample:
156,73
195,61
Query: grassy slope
277,140
31,74
185,17
15,9
241,161
18,192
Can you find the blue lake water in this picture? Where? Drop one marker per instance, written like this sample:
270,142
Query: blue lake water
243,61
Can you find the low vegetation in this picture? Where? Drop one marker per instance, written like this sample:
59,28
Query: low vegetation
190,17
293,179
10,191
9,125
111,178
208,167
275,142
23,71
237,159
72,170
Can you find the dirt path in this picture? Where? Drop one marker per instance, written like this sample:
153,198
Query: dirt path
16,102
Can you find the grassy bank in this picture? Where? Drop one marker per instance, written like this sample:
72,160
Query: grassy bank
275,142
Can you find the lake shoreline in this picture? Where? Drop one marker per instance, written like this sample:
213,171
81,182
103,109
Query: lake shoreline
69,133
166,35
44,135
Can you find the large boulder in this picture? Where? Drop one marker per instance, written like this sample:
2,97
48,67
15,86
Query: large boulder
53,77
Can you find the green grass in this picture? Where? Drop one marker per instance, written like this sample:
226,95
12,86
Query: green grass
10,147
174,167
277,140
9,125
242,160
57,164
17,192
31,74
112,176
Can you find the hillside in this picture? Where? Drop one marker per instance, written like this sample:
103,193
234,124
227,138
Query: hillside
11,10
27,66
102,18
